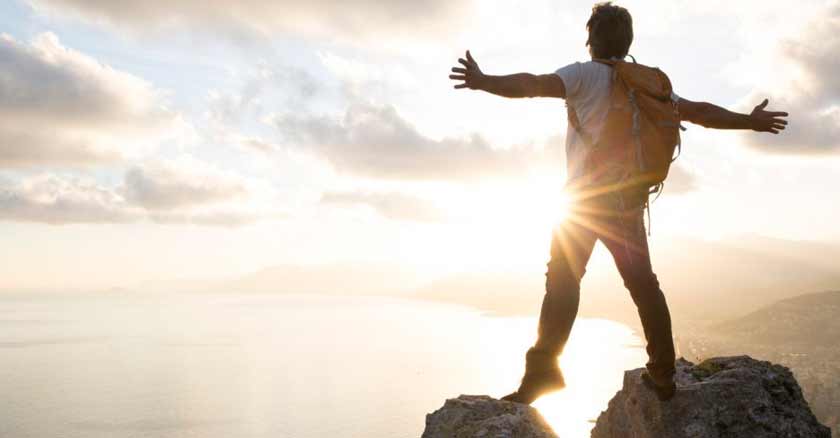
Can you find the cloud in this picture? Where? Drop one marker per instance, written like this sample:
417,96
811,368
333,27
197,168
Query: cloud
180,183
814,101
222,218
262,89
375,141
55,200
291,86
182,191
812,129
257,144
397,206
349,19
816,53
62,107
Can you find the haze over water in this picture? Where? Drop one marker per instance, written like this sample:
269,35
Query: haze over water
276,365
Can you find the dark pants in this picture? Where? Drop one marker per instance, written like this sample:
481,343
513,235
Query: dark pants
623,233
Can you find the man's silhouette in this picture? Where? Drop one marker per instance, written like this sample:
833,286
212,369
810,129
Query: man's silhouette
606,213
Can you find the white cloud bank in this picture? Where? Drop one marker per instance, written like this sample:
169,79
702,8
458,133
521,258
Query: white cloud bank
181,191
813,99
57,200
375,141
347,19
181,183
62,107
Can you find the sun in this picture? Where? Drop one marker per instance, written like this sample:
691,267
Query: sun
540,202
523,215
497,224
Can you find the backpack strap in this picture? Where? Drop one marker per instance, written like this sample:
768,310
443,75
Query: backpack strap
574,122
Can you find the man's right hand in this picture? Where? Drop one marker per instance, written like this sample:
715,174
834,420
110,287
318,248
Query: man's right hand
514,86
470,74
767,121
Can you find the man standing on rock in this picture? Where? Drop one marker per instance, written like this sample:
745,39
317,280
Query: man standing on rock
623,128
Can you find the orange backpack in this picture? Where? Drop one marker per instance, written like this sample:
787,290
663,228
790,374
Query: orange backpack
636,147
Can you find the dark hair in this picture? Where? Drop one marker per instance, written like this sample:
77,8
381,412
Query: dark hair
610,31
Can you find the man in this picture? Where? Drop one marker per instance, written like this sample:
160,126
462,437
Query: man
606,213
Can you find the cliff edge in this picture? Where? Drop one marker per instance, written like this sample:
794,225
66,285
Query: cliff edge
722,397
482,416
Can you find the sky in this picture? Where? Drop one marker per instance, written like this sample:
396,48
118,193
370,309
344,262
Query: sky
142,140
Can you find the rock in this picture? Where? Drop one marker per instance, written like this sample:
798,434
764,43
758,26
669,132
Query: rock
722,397
471,416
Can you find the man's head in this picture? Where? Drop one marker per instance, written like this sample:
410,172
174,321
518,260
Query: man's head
610,31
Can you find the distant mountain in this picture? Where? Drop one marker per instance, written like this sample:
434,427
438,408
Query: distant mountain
821,254
705,282
702,280
807,320
724,280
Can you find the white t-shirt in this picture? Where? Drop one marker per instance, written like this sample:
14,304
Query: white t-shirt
588,85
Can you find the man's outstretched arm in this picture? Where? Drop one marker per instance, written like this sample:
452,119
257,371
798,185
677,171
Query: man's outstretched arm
713,116
515,85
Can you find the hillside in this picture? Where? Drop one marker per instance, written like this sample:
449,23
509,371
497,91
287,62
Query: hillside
704,281
812,319
800,333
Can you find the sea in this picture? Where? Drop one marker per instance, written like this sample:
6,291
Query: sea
130,365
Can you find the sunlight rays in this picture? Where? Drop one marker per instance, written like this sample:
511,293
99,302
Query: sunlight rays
588,363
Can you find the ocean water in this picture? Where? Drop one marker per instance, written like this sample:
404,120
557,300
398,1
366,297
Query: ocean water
276,366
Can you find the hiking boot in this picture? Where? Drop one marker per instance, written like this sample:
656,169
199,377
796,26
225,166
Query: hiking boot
664,392
542,375
535,385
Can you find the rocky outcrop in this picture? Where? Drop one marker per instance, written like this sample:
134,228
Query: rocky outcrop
723,397
471,416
